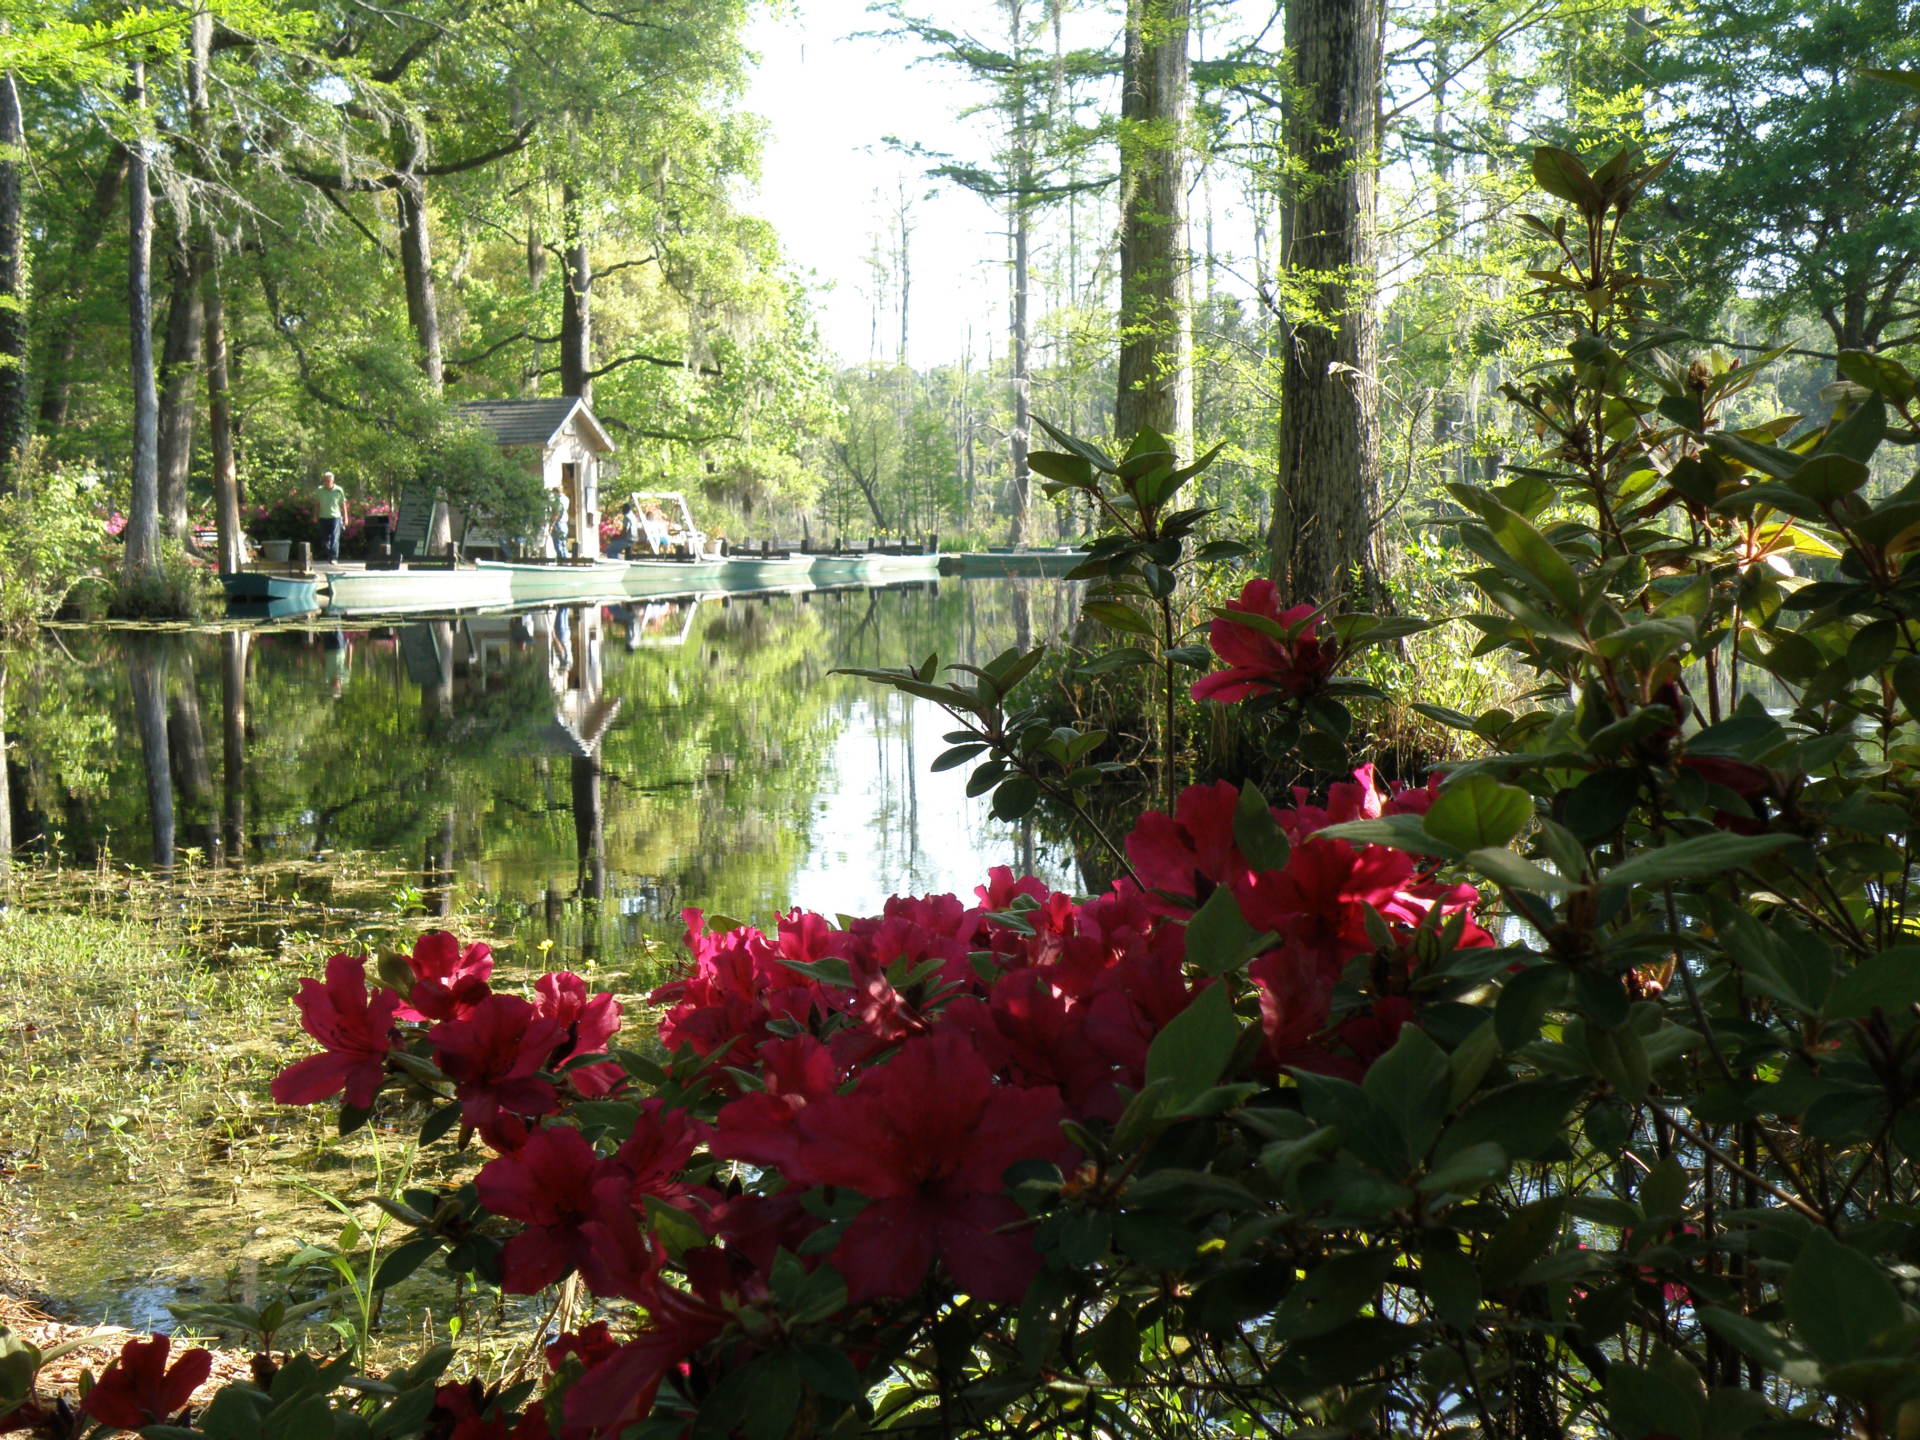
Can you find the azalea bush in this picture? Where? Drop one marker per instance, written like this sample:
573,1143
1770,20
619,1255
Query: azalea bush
1574,1091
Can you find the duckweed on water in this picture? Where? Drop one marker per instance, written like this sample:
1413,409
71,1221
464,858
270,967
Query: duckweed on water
143,1164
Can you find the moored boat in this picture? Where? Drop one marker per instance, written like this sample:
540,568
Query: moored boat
755,571
1058,560
561,579
356,590
269,585
667,576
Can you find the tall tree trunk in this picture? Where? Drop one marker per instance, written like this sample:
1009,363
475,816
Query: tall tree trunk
14,415
576,306
233,740
423,306
226,471
1017,437
1326,544
416,263
192,770
147,672
1020,224
179,381
6,788
1156,326
56,366
143,517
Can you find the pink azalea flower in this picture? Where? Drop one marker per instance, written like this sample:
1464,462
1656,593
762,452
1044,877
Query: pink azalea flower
927,1138
591,1022
493,1057
1259,663
355,1028
448,981
139,1389
556,1184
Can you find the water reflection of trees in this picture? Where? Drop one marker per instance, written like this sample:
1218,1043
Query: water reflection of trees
631,761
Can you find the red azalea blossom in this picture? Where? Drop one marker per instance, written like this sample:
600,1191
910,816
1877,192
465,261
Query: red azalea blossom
448,981
355,1028
927,1138
138,1388
618,1389
591,1022
493,1056
1257,662
555,1183
462,1412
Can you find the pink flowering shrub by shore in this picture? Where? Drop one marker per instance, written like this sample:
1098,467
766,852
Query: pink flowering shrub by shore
843,1131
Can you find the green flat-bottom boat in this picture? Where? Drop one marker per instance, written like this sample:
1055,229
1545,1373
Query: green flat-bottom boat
270,585
1057,561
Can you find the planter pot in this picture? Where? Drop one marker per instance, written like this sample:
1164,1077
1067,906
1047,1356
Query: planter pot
275,549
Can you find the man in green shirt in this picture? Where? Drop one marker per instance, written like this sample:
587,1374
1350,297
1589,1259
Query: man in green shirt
330,505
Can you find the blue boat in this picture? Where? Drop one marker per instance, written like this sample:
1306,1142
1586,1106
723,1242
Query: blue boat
274,585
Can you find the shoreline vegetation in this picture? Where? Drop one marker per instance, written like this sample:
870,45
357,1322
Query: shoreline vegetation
143,1164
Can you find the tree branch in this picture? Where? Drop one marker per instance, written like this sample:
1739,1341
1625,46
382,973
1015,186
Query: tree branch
662,360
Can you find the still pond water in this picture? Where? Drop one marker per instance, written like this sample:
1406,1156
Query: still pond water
658,756
573,776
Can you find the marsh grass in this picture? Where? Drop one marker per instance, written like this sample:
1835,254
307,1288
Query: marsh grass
143,1163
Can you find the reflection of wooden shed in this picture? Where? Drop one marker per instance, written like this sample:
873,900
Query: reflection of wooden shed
569,446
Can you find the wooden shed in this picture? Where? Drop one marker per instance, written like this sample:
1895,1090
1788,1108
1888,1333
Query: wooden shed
568,445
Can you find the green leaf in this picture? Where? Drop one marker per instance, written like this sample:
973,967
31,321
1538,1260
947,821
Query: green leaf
1881,374
403,1260
1516,872
1219,938
1860,434
1257,833
1477,811
1717,854
1888,982
1073,471
1397,832
1838,1300
1561,175
1366,1128
1524,1002
1906,684
1521,1241
1828,477
1117,616
1015,797
1194,1048
1526,1119
1410,1082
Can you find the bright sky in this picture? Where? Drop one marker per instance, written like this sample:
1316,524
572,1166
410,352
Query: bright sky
830,183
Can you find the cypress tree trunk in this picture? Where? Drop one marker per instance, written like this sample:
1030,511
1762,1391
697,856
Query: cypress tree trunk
55,379
423,307
1022,379
1156,332
1327,496
14,415
147,672
1020,223
416,262
576,308
226,471
6,788
179,381
143,517
233,741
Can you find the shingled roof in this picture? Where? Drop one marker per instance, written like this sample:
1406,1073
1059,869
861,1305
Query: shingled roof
532,422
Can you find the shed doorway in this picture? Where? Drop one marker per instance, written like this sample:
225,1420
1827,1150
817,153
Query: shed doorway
576,506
